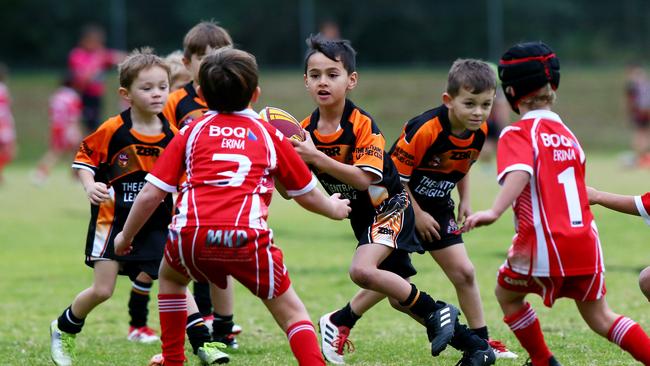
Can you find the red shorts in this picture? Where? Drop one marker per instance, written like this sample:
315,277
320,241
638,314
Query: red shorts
64,138
581,288
212,253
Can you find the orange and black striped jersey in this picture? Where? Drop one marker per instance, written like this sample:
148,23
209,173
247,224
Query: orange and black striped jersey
120,157
183,106
357,142
431,159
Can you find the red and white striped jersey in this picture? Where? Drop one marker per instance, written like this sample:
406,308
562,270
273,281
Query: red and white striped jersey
230,161
65,108
555,231
643,205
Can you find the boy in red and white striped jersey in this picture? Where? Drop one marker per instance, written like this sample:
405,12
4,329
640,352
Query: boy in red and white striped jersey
633,205
556,251
230,158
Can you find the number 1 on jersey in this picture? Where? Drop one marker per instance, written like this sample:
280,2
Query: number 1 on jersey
568,179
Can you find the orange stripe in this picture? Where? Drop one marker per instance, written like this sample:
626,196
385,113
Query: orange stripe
417,296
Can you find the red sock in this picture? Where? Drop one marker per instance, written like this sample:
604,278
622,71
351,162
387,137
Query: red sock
173,315
631,337
525,325
304,344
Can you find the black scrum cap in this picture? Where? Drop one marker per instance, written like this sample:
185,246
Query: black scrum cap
525,68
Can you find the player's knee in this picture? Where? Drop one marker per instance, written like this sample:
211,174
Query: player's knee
362,276
102,293
644,282
463,277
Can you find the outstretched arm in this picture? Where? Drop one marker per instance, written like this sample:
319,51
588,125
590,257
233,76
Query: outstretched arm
145,204
513,184
333,207
613,201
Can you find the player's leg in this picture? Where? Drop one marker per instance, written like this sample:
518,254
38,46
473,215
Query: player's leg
223,302
172,308
139,311
64,329
617,328
44,167
522,320
335,327
291,315
456,264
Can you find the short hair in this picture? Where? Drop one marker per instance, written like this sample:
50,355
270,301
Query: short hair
138,60
228,78
176,67
202,35
475,76
334,49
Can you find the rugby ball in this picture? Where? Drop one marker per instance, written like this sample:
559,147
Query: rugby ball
284,122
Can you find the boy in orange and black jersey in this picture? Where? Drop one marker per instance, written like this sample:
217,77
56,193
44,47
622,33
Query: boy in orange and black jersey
182,107
433,155
345,149
185,105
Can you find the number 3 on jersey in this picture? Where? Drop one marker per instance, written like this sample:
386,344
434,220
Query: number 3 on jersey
568,179
235,178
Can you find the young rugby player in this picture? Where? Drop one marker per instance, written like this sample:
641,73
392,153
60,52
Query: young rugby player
346,151
183,106
433,155
221,225
632,205
556,252
7,127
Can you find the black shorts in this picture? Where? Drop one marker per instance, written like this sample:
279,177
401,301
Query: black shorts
399,262
91,111
132,268
449,230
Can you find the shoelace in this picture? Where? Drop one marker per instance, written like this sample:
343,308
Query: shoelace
216,345
497,345
67,341
342,342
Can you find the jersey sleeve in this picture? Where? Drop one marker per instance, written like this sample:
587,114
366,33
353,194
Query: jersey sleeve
93,150
291,171
410,148
514,152
368,154
643,205
170,167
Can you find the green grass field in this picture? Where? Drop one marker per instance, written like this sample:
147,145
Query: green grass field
42,233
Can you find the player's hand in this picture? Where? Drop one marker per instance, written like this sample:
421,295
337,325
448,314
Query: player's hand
122,246
480,218
427,227
97,193
306,149
340,207
592,194
464,211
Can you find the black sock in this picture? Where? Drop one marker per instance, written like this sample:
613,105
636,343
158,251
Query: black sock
197,332
421,304
466,340
481,332
69,323
202,298
345,317
138,300
222,325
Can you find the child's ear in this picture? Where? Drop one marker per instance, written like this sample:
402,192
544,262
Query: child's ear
304,76
352,80
446,99
199,92
256,95
124,93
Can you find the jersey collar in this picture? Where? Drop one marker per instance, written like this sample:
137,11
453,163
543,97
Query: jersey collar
543,113
244,112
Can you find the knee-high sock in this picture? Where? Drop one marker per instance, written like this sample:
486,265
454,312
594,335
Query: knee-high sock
525,325
304,344
173,314
631,337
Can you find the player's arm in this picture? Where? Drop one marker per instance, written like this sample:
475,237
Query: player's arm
97,192
513,184
613,201
333,207
349,174
426,226
144,205
464,205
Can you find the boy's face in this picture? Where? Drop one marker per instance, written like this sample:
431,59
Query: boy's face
148,92
468,110
327,80
194,63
